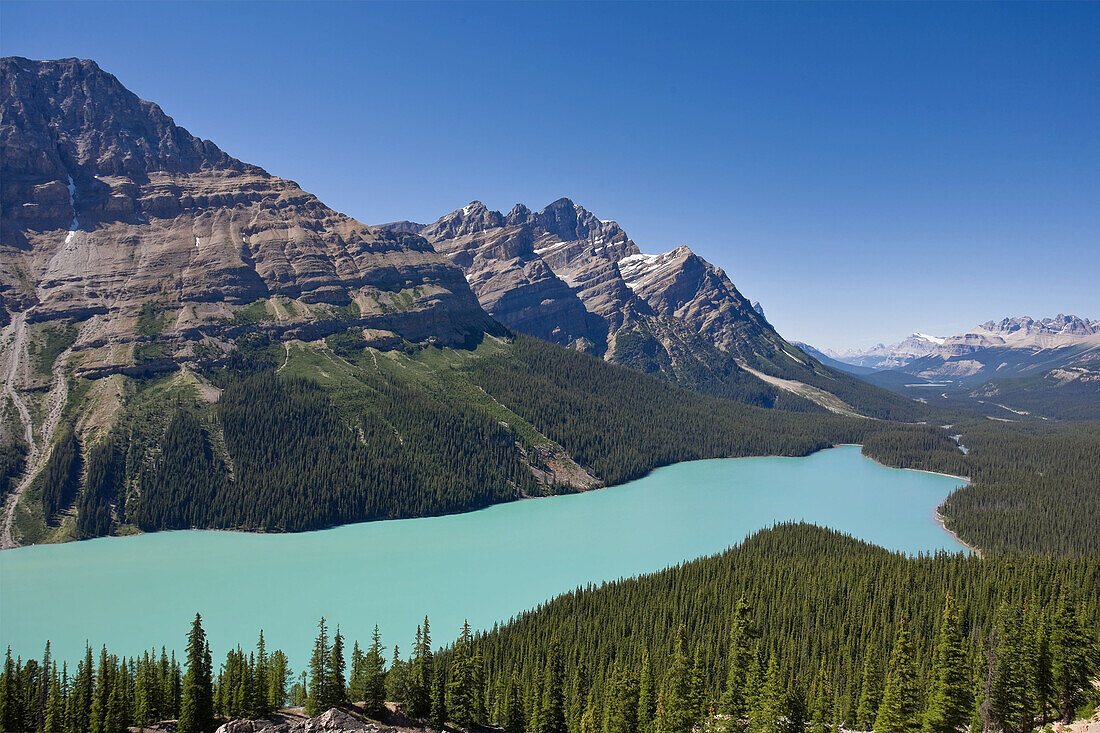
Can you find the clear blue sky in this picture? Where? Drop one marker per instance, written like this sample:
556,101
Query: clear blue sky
864,170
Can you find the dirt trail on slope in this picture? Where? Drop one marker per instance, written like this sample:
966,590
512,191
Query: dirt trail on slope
15,353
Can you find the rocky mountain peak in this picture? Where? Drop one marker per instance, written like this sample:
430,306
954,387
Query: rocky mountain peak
107,207
471,218
96,126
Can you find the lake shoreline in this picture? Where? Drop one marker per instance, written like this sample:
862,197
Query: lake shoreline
942,521
599,487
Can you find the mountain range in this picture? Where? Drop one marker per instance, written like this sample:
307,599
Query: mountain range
564,275
189,341
1013,366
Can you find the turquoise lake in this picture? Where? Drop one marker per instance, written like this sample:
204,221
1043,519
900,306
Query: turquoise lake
133,593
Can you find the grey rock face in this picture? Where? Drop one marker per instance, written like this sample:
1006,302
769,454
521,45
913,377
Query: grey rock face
330,721
564,275
107,204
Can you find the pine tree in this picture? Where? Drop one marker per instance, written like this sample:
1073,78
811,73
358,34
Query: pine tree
422,673
622,703
54,705
439,700
1010,706
278,676
10,715
899,711
1072,665
646,695
465,685
318,671
514,719
374,688
578,696
197,705
870,695
357,680
677,693
822,713
949,701
262,686
733,702
334,687
766,713
552,714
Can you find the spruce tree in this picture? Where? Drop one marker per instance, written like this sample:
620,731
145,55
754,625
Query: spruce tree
54,705
899,711
677,693
374,689
514,719
318,671
622,702
465,684
766,713
197,705
423,675
646,695
822,713
1010,705
335,688
949,701
1072,664
733,703
552,714
870,694
578,696
439,700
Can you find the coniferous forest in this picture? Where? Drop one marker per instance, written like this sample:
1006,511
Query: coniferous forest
386,442
797,629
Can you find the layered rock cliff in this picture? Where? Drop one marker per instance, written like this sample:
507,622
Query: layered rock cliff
108,207
564,275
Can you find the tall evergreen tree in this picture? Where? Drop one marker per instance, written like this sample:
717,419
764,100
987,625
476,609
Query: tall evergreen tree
766,714
423,676
318,671
733,703
552,714
677,693
465,684
439,700
622,702
899,711
514,718
1074,658
197,705
335,688
870,694
949,701
374,688
647,701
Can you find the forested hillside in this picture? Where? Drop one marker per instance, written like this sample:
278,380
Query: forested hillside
302,436
797,629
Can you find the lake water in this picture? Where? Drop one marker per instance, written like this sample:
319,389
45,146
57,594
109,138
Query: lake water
133,593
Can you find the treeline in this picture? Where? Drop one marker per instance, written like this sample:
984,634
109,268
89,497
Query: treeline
118,692
624,424
821,618
293,461
1033,485
797,630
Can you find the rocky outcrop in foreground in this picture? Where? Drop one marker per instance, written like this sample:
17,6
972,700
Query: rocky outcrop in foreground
330,721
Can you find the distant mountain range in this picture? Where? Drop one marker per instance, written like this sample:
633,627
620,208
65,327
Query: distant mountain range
1049,366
